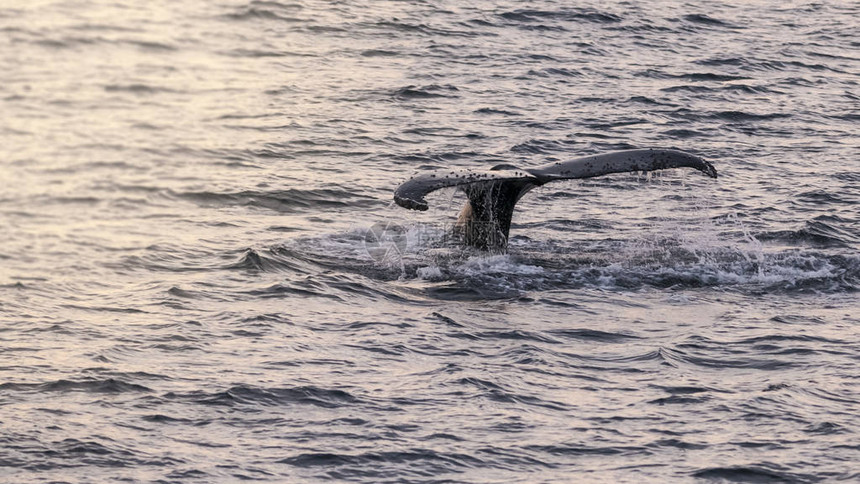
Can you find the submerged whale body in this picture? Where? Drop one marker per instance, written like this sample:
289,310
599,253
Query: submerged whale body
485,220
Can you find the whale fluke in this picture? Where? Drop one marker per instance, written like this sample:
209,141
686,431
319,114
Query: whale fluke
485,220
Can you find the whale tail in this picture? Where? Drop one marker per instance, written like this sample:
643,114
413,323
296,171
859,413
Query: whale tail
485,220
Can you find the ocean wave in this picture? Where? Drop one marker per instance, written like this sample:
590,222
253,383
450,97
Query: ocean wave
268,10
816,233
97,451
109,385
702,19
289,200
562,15
415,462
425,92
138,88
253,396
763,473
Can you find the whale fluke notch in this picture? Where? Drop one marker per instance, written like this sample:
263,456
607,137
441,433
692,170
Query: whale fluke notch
485,220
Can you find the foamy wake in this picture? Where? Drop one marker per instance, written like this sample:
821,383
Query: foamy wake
672,255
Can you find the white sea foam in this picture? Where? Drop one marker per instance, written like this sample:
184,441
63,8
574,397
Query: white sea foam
501,263
430,273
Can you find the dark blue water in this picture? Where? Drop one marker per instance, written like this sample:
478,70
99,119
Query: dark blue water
189,292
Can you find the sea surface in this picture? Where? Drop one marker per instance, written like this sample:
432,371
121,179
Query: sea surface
193,288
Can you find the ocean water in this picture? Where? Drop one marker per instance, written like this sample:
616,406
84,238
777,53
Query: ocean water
191,288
